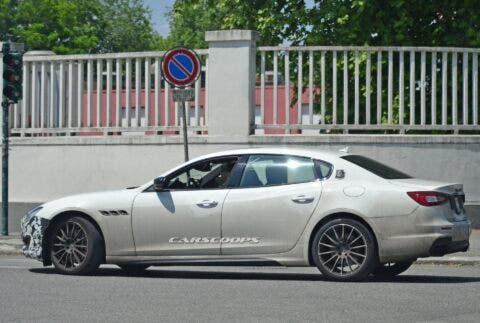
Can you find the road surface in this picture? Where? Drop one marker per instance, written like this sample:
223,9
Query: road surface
29,292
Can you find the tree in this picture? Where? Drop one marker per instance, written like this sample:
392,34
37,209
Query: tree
332,22
6,13
128,26
274,20
78,26
59,25
394,23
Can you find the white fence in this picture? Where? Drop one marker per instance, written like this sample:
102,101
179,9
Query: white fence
369,88
102,94
283,90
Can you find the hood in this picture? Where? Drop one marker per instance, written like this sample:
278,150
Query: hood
90,202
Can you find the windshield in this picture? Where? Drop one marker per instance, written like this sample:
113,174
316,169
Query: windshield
375,167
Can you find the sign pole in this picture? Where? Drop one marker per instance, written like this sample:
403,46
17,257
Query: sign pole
185,137
181,68
6,131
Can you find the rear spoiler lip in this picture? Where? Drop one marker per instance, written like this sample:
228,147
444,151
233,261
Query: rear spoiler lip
416,184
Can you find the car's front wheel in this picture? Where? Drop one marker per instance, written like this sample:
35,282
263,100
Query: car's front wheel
344,249
75,246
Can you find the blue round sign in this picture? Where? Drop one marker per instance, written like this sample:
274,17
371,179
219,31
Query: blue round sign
181,66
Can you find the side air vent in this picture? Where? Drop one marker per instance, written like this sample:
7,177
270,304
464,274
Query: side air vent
113,212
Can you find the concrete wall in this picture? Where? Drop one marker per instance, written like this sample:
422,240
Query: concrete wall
45,169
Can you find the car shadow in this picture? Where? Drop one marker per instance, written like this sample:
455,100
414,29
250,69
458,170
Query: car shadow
229,275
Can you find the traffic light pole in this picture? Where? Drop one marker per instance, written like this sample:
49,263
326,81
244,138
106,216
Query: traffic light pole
6,133
12,93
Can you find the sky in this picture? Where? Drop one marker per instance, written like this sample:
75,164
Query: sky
161,7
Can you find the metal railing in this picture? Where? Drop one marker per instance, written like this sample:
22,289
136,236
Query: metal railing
323,89
102,94
397,89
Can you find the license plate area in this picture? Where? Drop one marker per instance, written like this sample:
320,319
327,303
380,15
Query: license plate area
457,203
460,232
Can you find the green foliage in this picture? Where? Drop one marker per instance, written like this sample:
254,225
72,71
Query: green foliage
61,26
276,21
332,22
90,26
128,26
77,26
394,23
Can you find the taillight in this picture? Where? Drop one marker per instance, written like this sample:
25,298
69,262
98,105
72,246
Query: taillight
428,198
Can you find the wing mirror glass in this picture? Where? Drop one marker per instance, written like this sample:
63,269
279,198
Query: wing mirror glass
159,183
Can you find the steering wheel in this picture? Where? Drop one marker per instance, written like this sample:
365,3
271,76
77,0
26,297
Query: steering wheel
192,182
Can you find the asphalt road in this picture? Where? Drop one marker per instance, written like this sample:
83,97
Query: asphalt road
268,294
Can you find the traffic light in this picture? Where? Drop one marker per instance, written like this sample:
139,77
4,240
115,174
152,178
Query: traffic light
12,74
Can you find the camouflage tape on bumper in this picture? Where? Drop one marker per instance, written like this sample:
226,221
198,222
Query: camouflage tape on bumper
33,229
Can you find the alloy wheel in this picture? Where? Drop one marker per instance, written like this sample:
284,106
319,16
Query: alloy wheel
70,245
342,249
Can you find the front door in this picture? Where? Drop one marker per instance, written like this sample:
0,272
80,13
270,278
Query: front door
185,217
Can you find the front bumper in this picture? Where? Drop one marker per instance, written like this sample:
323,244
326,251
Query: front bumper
33,230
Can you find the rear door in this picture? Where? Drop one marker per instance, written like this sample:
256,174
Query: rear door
268,211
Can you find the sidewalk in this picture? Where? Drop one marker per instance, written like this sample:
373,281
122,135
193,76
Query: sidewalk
11,245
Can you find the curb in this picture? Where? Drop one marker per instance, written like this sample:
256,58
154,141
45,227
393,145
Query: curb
470,261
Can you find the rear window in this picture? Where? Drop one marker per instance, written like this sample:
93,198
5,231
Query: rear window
375,167
269,170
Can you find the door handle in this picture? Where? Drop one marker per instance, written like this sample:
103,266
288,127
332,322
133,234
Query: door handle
207,204
302,198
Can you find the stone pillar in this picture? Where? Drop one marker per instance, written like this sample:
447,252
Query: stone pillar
231,83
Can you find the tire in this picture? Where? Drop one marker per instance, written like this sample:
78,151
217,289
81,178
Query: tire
76,247
344,250
390,270
134,268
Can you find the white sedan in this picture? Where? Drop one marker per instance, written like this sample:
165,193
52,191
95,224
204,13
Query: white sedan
348,215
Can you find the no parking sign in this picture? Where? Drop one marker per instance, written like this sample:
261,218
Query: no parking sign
180,66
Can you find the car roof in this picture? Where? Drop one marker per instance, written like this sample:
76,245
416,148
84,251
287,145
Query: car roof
312,153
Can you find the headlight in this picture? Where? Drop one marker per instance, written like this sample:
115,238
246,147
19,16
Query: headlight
30,214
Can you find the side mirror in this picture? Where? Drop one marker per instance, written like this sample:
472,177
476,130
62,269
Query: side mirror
159,183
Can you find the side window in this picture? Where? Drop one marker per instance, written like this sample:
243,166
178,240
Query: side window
269,170
324,169
203,175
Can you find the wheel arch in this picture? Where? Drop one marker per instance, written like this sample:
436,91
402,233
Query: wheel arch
62,216
333,216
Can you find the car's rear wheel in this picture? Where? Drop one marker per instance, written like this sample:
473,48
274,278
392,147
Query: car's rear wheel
134,268
75,246
344,249
391,269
